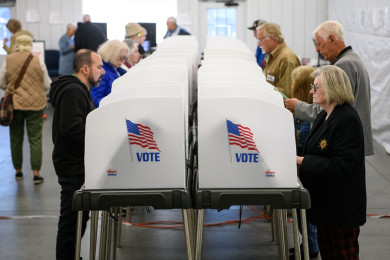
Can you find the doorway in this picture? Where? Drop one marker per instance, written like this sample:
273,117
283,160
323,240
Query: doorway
216,19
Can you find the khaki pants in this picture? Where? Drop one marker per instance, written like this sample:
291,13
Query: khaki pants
34,124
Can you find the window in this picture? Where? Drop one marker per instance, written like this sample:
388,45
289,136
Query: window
221,22
4,32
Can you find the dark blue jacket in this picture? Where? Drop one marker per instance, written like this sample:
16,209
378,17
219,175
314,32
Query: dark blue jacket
104,88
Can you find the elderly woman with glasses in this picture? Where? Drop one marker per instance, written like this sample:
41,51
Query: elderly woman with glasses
113,53
332,167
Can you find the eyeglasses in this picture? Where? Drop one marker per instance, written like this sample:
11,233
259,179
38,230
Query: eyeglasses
262,38
123,58
314,87
139,34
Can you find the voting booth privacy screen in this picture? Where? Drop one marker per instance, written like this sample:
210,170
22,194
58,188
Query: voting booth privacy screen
246,136
138,138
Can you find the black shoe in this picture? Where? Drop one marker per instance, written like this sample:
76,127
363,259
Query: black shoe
19,176
311,255
37,179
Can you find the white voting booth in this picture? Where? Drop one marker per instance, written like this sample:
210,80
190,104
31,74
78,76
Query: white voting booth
137,138
248,139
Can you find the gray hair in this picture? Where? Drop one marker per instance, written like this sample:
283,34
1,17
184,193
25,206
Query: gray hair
274,30
171,19
335,83
110,50
70,26
86,17
330,27
131,44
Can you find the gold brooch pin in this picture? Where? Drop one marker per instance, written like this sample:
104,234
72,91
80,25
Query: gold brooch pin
323,144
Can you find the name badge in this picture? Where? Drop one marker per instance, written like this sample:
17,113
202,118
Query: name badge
270,78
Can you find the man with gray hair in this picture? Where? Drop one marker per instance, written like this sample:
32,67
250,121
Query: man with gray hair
329,41
174,29
66,43
281,60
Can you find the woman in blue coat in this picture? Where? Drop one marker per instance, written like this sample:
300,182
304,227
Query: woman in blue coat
113,53
332,167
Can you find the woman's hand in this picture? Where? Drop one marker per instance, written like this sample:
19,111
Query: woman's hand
299,160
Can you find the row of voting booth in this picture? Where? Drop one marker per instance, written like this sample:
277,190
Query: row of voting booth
172,136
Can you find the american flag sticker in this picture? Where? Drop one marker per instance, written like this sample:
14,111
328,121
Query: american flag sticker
141,135
241,136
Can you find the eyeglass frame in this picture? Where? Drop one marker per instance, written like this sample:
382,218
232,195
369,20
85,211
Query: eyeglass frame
315,87
123,58
262,38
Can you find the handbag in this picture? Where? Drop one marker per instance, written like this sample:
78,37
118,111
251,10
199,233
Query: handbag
6,103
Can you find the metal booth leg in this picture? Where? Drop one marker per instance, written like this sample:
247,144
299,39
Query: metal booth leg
119,224
128,212
109,235
188,233
284,212
304,235
199,234
103,236
78,234
93,234
269,212
116,210
297,243
280,234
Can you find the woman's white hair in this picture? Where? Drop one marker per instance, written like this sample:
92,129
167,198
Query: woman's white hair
110,50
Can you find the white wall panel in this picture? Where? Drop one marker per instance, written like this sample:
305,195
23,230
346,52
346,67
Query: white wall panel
71,11
296,18
367,30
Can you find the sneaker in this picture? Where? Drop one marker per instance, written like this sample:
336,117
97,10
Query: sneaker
37,179
19,176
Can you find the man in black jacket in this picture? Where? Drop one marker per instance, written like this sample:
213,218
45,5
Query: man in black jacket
88,35
72,101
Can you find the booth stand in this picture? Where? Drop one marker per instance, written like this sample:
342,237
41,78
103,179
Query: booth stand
279,199
110,200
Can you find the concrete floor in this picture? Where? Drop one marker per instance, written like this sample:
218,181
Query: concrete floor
29,216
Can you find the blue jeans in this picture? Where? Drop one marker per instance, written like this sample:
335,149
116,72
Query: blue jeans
312,239
67,224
